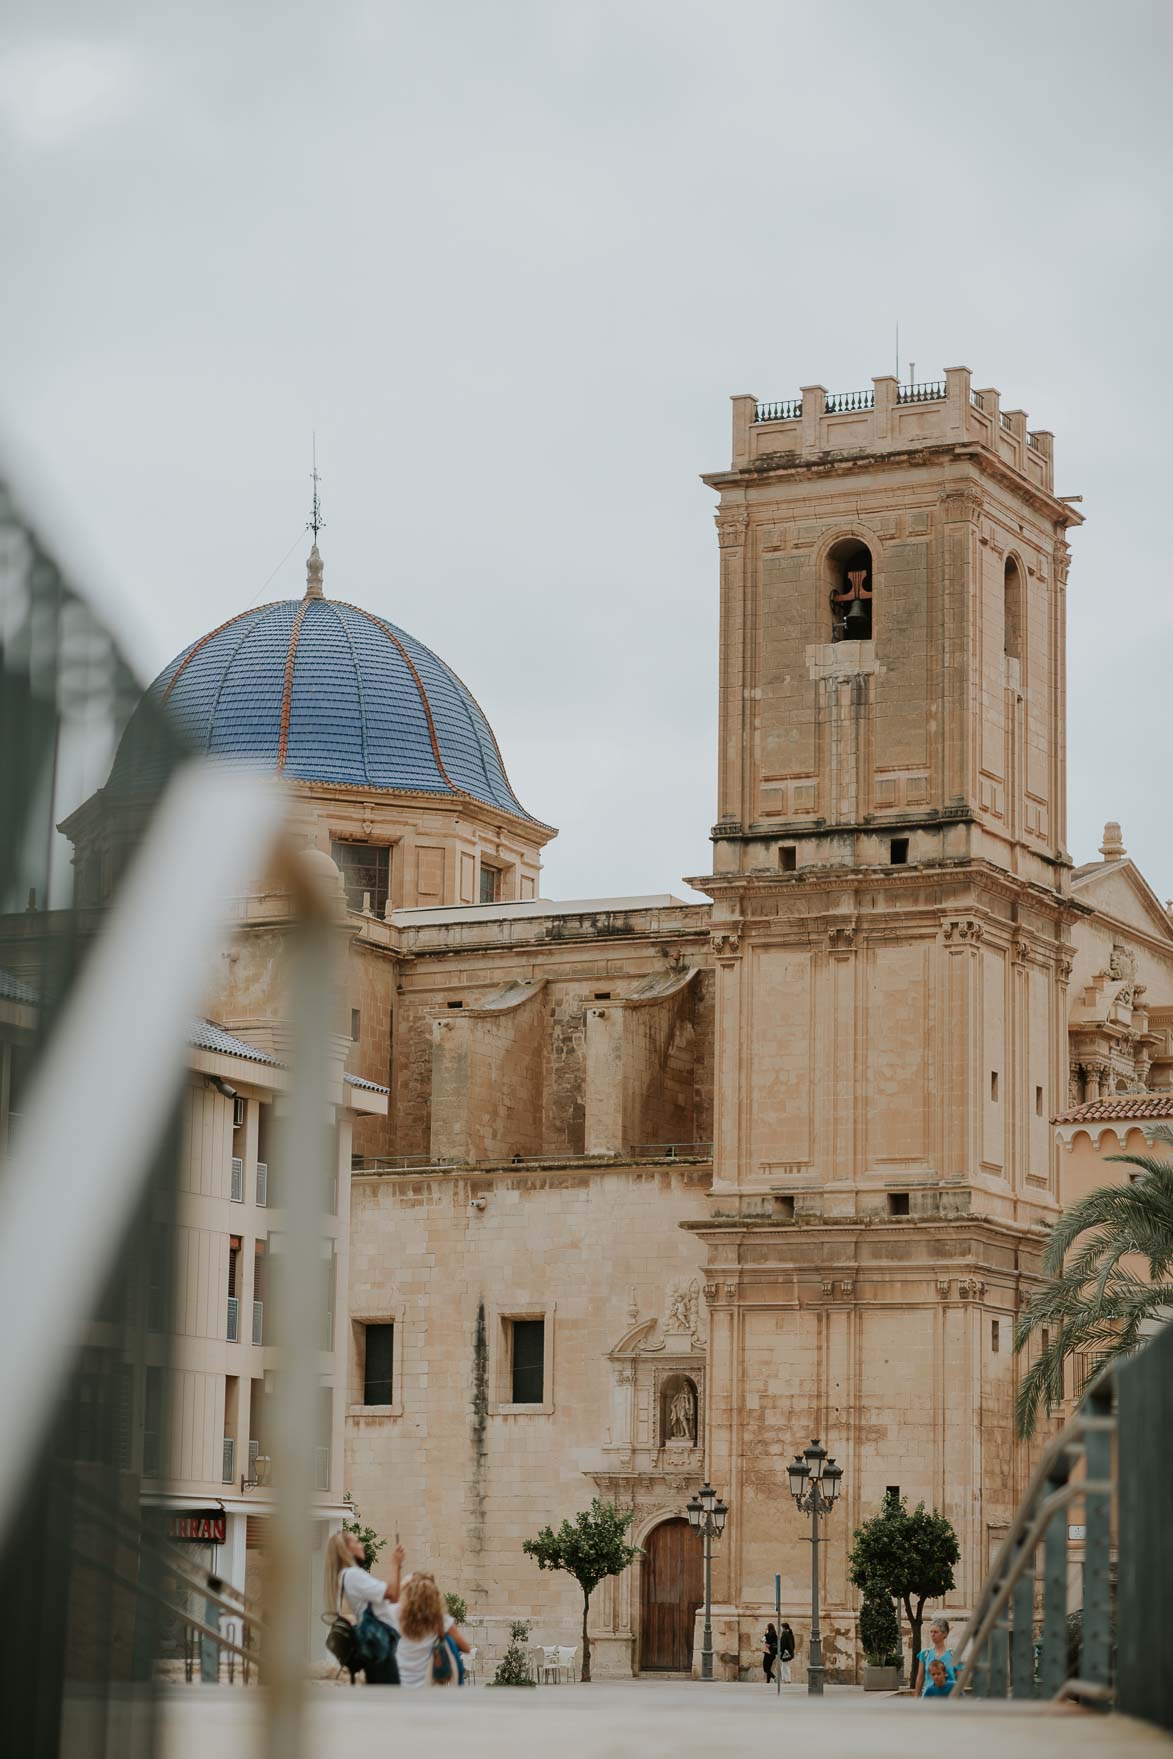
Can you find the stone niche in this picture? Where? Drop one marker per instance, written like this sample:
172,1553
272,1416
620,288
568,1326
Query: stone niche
658,1390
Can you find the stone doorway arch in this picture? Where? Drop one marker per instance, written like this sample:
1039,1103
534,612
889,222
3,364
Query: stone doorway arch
671,1590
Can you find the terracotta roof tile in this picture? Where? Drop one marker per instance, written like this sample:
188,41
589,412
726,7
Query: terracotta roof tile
1125,1105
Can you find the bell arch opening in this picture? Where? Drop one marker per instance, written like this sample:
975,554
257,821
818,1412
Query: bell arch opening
848,567
1012,610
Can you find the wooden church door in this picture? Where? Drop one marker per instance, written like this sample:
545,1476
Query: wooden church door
673,1586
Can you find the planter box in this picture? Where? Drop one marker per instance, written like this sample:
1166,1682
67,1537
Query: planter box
880,1679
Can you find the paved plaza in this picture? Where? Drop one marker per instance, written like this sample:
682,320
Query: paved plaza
643,1719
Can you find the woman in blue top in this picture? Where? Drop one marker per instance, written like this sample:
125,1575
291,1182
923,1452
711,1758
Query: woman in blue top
938,1650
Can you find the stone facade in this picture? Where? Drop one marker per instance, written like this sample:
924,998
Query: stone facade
664,1189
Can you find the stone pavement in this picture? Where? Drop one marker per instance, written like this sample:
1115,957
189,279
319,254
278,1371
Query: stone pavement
651,1719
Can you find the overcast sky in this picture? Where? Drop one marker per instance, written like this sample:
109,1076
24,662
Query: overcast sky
510,261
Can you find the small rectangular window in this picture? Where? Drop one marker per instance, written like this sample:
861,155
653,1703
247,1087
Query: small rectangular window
1045,1339
898,851
892,1493
378,1362
995,1335
355,1024
788,858
898,1203
993,1084
456,1004
527,1365
1038,1102
489,878
602,995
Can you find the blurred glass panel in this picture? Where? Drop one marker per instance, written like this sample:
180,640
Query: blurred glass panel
86,1598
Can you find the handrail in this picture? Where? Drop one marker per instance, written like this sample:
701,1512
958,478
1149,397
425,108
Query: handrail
1087,1434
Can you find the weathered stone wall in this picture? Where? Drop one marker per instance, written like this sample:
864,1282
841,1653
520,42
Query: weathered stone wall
459,1478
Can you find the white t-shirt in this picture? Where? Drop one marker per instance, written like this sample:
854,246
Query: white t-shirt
413,1655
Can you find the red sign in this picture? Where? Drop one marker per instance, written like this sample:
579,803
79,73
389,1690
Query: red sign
205,1526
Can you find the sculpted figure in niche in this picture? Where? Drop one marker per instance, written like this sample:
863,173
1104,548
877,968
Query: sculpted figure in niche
680,1410
683,1415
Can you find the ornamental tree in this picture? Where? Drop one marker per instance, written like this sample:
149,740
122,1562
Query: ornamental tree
910,1555
589,1548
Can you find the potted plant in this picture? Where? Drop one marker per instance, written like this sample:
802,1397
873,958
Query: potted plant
879,1633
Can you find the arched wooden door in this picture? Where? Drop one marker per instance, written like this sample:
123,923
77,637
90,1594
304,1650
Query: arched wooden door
672,1587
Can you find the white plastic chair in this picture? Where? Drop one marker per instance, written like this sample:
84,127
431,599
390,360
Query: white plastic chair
548,1672
566,1662
470,1665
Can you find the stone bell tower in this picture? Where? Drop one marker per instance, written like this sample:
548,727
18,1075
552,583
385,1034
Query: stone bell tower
891,903
889,869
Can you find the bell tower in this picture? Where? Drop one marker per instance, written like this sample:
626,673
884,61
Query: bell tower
889,875
890,907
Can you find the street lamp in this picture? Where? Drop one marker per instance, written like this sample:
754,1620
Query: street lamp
814,1485
707,1514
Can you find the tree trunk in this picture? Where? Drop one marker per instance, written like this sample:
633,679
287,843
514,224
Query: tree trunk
585,1670
915,1620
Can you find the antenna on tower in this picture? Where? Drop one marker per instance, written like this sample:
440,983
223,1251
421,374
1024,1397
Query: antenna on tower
898,351
315,522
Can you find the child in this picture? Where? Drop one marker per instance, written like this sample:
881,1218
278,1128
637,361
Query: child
938,1685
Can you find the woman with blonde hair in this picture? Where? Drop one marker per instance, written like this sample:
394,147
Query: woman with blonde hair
422,1623
369,1600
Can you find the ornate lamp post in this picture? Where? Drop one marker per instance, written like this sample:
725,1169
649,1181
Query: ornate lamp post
707,1514
814,1485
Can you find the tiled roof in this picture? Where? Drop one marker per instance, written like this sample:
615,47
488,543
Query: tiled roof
13,990
1125,1105
324,692
361,1081
210,1037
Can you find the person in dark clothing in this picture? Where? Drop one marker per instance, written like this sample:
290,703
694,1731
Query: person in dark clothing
786,1648
770,1652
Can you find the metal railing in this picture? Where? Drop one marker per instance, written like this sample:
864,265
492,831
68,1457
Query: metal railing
1112,1458
932,391
998,1646
978,401
847,402
1006,421
422,1163
1034,442
789,410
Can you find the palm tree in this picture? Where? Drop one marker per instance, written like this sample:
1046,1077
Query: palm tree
1092,1302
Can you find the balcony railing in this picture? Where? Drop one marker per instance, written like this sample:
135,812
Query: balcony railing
258,1322
1006,422
931,391
978,401
786,411
1034,442
847,402
233,1331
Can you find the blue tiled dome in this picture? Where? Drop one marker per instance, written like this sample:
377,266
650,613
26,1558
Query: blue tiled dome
325,692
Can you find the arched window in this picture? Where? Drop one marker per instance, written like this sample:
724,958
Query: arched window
1012,621
850,567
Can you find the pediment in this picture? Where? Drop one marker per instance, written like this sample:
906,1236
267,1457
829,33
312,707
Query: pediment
1119,890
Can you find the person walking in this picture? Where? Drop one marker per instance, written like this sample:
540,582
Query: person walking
937,1649
770,1652
786,1648
348,1579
